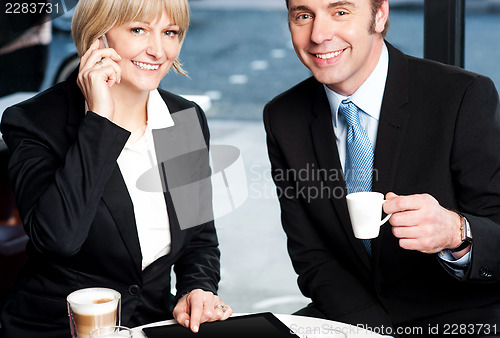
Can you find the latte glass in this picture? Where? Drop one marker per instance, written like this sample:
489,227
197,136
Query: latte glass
93,308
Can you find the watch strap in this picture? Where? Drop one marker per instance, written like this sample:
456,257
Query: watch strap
464,232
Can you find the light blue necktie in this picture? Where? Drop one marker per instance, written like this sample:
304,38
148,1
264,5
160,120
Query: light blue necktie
359,155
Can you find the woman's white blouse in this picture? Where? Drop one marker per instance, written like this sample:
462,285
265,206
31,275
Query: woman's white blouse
150,208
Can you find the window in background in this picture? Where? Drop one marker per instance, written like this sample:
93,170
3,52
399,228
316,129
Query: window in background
482,38
406,31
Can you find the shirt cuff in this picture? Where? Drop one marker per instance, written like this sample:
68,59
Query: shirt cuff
456,266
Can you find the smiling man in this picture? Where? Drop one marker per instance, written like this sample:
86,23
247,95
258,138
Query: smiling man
426,135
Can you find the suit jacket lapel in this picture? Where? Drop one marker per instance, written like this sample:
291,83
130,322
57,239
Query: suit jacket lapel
116,196
325,147
177,235
393,122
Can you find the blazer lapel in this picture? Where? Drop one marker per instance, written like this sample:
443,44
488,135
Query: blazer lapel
168,138
393,122
117,199
176,234
325,147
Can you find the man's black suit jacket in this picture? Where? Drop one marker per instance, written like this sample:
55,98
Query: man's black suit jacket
439,133
79,217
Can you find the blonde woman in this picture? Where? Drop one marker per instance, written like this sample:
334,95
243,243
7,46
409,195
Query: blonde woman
77,151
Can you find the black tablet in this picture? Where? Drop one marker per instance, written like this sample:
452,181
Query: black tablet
248,326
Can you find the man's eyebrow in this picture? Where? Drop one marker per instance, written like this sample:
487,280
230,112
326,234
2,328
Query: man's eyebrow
341,4
331,5
299,8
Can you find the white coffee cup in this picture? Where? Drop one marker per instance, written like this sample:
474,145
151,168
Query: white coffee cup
365,211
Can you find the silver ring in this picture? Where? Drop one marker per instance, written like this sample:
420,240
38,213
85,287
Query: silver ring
220,306
100,63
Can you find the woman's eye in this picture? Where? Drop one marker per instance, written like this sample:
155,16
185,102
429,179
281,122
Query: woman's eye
171,33
137,30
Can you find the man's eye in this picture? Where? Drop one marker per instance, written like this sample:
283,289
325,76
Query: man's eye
341,13
304,17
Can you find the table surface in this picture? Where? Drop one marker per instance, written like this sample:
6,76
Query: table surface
304,327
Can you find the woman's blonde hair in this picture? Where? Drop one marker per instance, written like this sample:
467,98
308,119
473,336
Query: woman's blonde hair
94,18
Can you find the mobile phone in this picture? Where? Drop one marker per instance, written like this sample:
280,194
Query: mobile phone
104,41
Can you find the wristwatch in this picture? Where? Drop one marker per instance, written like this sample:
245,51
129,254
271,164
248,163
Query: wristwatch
466,235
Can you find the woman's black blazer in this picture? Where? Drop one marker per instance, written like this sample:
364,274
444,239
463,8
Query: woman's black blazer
79,217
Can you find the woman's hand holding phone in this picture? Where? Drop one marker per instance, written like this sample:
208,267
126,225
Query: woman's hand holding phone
98,72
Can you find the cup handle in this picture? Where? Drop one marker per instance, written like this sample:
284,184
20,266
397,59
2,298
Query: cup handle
382,222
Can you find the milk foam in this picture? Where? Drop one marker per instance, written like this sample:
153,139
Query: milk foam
81,301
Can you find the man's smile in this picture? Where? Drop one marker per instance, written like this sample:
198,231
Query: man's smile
326,56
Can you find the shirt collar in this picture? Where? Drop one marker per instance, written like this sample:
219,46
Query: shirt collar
369,95
158,114
158,118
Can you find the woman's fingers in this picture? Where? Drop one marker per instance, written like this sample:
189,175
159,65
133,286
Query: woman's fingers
199,307
222,312
85,57
99,58
95,83
111,69
94,54
99,71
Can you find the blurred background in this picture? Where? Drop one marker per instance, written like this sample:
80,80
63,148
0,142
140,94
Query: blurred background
239,56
